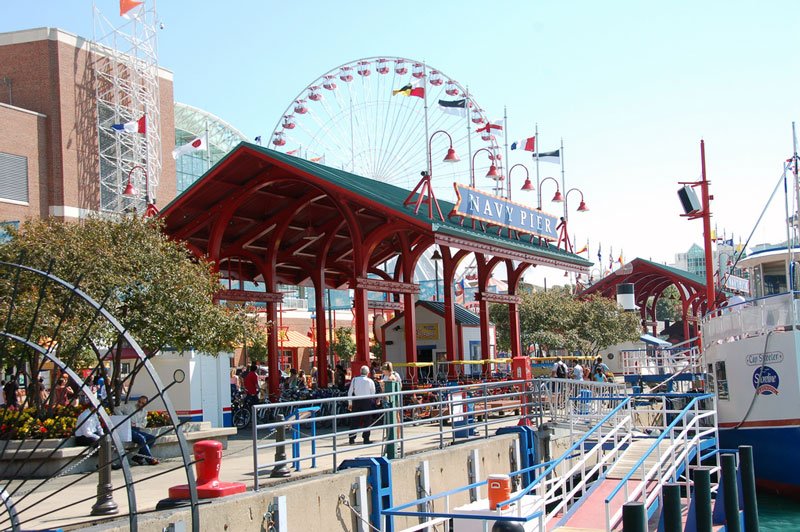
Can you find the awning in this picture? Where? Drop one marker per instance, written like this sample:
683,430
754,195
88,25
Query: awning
652,340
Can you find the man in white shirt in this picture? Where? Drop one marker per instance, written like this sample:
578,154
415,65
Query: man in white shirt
577,371
138,418
87,427
362,386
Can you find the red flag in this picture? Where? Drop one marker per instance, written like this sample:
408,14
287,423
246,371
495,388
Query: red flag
127,5
489,126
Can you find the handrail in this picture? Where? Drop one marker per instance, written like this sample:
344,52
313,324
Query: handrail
692,405
569,451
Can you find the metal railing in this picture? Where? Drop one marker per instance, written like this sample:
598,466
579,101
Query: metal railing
662,361
752,318
319,431
693,429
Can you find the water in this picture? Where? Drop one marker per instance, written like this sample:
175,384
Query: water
778,514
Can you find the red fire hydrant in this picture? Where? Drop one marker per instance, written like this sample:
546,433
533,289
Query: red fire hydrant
208,457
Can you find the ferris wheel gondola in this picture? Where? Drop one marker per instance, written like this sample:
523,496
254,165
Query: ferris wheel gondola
350,118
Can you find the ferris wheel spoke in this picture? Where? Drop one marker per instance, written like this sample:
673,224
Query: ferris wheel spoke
410,146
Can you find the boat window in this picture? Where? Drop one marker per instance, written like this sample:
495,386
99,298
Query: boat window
722,381
774,278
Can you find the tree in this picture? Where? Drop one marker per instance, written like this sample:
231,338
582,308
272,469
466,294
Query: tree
344,346
668,306
160,293
557,320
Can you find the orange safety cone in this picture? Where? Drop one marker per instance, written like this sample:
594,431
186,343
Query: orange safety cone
208,457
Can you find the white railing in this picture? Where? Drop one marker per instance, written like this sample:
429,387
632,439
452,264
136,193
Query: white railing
570,401
751,318
662,361
676,449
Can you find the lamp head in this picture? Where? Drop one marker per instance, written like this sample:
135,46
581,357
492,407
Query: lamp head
451,156
436,255
527,185
582,207
558,198
130,190
493,173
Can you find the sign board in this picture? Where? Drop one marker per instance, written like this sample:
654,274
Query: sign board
733,282
427,331
483,206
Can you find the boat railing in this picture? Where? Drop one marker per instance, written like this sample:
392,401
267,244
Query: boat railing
755,317
574,402
677,448
661,361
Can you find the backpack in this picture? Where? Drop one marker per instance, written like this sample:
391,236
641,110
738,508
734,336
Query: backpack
561,370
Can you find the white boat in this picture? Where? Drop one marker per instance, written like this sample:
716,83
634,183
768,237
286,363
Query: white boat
751,352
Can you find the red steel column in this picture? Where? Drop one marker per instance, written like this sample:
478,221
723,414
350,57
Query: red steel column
483,309
410,328
321,346
711,294
449,272
361,329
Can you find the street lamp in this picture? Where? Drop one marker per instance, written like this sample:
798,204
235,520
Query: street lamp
436,257
557,197
492,173
582,207
451,156
527,186
131,191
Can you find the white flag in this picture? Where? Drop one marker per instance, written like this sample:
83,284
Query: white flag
199,143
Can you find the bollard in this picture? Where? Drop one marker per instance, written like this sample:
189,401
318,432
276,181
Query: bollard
281,470
634,517
671,495
105,504
748,488
507,526
702,499
208,461
731,497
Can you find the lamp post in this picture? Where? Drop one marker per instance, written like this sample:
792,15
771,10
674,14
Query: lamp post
581,207
492,173
131,191
436,257
557,197
527,186
423,192
563,235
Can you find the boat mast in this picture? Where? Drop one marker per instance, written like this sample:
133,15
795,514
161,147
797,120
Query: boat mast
796,223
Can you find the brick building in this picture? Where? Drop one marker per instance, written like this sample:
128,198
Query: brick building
49,157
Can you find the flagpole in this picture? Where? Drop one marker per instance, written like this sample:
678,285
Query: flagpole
469,138
427,136
208,146
505,136
352,141
563,182
536,156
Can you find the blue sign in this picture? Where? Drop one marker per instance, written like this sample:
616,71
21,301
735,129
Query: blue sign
766,381
483,206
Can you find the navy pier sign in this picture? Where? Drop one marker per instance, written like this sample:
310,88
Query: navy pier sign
473,203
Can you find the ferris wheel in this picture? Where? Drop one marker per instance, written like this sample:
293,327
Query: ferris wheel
377,116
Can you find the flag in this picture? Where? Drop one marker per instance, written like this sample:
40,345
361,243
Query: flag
549,156
197,144
528,144
584,249
460,291
134,126
127,5
728,242
491,127
454,107
320,159
293,152
611,259
713,234
258,140
620,257
600,254
410,90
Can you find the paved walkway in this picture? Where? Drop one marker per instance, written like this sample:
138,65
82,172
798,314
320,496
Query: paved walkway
66,501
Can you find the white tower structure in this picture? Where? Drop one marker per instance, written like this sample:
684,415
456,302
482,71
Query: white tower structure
126,84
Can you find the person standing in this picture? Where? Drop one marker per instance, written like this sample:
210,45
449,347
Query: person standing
360,387
10,391
577,371
559,370
251,385
63,392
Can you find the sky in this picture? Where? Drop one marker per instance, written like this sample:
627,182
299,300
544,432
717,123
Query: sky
631,87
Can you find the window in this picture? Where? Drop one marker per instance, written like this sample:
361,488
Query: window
13,177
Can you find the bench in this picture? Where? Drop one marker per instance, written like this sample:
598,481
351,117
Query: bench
26,459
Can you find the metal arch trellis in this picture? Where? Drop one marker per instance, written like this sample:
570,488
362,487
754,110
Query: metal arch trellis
11,499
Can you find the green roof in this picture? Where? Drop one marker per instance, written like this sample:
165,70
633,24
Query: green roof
392,197
463,316
688,276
